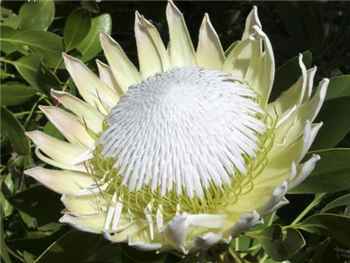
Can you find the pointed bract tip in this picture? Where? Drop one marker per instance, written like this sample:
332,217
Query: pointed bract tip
325,81
107,39
33,172
171,7
101,64
324,87
253,18
65,219
44,108
300,56
104,36
67,56
30,134
317,157
138,15
68,59
206,20
56,93
255,10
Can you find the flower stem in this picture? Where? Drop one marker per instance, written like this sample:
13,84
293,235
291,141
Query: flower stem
272,217
237,244
262,260
313,203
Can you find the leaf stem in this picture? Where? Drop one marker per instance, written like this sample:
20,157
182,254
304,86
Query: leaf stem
6,61
24,113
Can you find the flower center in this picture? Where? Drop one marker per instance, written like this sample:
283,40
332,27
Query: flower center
183,131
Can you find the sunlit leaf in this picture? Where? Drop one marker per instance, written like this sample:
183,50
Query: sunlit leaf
330,175
12,128
7,33
46,44
76,28
36,74
28,67
9,18
90,45
15,93
37,15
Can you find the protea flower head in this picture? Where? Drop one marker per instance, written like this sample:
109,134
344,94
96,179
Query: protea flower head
188,150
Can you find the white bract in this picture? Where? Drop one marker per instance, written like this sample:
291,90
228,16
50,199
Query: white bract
188,150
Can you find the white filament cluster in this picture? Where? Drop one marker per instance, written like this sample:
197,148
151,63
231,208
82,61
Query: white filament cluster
183,130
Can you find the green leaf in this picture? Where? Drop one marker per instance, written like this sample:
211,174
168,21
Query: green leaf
11,127
281,244
90,6
31,202
338,226
51,129
74,245
330,175
7,186
6,33
28,220
37,15
229,49
46,44
90,45
4,255
289,73
15,93
36,241
9,18
134,255
47,80
28,67
5,75
28,258
340,201
76,28
339,87
336,123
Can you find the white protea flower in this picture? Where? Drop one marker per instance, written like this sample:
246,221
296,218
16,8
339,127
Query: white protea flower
186,151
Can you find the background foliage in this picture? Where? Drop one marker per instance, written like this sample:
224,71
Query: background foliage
314,227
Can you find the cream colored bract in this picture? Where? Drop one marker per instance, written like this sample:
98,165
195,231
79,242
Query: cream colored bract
188,150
